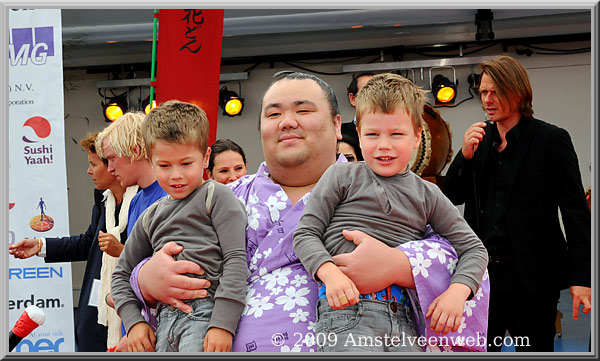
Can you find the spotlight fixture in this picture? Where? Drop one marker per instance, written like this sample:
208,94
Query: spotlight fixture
231,102
114,107
444,90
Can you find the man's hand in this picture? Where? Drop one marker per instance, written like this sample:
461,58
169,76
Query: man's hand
447,309
163,279
140,338
581,296
473,136
25,249
218,340
373,265
109,244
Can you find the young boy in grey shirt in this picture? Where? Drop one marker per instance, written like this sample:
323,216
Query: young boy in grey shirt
383,198
204,217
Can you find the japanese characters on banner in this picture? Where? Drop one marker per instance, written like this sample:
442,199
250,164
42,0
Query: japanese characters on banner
189,59
37,176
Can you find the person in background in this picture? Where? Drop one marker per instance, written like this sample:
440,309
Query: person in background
514,174
349,147
227,161
90,335
349,129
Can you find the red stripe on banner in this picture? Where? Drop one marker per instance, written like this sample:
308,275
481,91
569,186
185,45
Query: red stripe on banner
189,59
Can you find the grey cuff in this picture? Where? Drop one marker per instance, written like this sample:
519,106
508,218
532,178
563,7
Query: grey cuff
130,314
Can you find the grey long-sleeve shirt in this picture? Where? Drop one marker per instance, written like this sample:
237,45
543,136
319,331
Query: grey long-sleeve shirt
394,210
216,241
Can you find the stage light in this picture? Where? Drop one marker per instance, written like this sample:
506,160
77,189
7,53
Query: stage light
231,102
114,107
443,90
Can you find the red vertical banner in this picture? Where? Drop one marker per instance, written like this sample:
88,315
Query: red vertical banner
189,59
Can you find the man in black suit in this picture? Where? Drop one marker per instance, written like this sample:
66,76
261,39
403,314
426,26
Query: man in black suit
514,173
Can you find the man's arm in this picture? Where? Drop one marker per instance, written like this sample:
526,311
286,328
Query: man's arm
576,218
458,182
76,248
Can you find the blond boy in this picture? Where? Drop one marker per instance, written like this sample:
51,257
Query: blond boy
202,216
122,144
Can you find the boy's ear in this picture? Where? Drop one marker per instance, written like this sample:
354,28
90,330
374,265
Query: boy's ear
206,157
137,151
418,137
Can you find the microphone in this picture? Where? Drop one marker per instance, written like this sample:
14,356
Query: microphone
32,317
487,120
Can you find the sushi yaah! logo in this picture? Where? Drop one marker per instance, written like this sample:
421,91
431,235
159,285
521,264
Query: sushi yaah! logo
32,152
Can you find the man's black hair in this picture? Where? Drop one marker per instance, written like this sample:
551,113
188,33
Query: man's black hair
353,87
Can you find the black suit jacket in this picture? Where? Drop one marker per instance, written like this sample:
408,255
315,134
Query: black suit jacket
91,336
547,179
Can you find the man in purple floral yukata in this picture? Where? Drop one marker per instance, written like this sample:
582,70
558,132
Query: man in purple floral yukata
299,127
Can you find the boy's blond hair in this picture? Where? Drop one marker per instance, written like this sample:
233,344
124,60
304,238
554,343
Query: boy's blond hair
390,92
175,121
124,134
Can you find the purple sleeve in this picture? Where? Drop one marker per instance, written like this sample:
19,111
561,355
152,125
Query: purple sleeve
433,262
147,312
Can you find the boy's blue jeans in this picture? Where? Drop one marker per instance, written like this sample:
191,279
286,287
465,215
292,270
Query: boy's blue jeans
182,332
369,326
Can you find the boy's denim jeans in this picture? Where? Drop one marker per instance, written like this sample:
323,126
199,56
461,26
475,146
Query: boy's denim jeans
182,332
369,326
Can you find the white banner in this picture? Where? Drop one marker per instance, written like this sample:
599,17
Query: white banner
37,176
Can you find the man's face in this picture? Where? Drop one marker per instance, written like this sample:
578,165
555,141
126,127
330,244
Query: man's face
120,167
360,83
496,110
296,123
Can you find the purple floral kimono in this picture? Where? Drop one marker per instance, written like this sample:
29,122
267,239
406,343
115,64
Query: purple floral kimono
281,296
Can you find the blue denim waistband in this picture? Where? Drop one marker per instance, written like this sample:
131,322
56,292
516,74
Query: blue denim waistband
393,293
